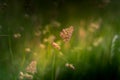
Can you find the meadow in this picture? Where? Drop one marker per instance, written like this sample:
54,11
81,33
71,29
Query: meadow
59,40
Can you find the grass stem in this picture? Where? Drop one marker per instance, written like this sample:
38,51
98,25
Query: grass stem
53,66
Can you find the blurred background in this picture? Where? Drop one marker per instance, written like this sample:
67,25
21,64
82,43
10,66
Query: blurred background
28,27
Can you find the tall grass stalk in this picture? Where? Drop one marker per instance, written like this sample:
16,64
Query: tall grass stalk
53,66
113,45
10,45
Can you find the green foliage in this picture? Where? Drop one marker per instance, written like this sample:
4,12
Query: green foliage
28,27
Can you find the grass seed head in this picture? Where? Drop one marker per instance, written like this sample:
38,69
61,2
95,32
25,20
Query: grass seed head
70,66
66,33
55,45
31,68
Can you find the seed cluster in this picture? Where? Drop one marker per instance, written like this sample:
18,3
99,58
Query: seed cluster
55,45
29,72
31,68
66,33
25,76
70,66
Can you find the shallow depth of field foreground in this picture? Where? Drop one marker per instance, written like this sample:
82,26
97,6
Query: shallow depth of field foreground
59,40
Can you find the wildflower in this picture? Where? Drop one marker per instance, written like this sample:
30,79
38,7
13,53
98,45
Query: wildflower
70,66
31,68
66,33
17,35
55,45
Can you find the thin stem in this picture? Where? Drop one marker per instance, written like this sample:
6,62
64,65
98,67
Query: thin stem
10,46
53,66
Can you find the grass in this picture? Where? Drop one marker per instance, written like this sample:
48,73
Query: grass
90,58
92,50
